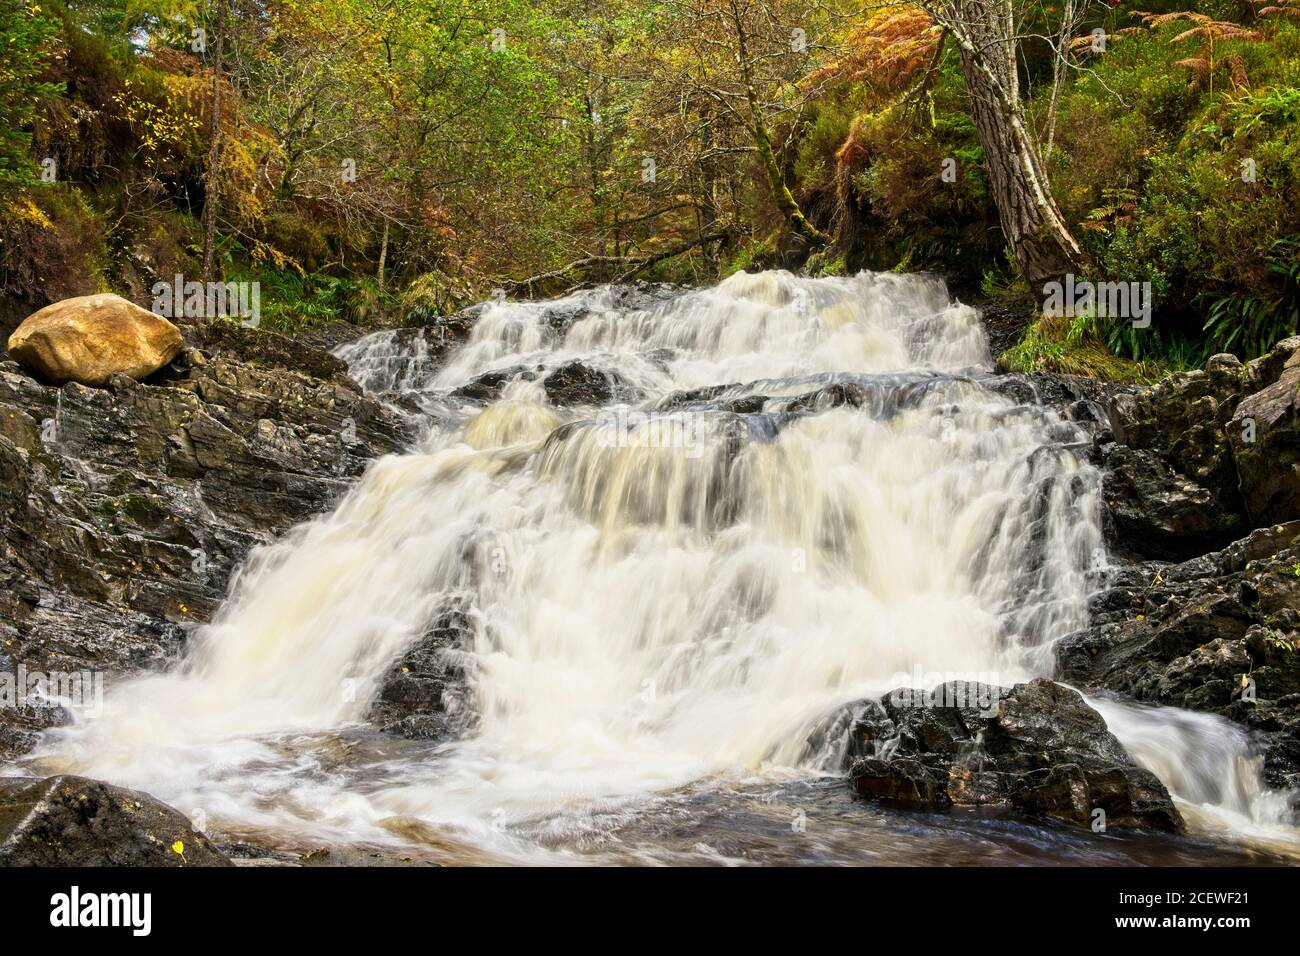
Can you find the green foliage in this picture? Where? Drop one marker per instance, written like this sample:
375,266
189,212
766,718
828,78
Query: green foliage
479,161
823,264
908,175
432,294
1071,348
1251,323
26,47
1197,194
748,256
52,246
291,302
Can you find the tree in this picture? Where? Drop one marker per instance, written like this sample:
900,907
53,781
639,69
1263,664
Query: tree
746,57
214,147
28,34
989,36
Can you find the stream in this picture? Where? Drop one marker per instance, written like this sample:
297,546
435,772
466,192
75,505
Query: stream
664,595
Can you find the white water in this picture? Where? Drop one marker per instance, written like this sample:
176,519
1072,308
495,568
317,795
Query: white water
658,598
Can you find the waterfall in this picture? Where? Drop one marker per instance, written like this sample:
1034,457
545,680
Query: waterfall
802,492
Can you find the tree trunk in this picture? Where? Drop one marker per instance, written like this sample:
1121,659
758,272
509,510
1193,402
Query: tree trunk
214,153
784,200
781,195
1032,223
383,257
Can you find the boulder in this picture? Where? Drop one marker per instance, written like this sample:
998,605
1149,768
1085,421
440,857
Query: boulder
1036,748
487,387
576,383
91,338
1265,437
1156,512
1205,456
1171,483
74,821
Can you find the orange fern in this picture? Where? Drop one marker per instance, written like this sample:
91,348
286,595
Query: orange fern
1208,30
886,52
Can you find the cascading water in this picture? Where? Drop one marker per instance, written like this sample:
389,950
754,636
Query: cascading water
802,493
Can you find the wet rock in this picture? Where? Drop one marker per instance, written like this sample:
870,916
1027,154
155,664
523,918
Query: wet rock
268,350
91,338
576,383
642,294
849,394
24,721
1205,456
713,397
124,510
421,695
487,387
1036,748
74,821
443,333
1219,633
1265,434
1058,391
561,317
1158,512
1004,324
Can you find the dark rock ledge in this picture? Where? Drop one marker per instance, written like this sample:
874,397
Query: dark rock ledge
1201,485
1034,748
1202,498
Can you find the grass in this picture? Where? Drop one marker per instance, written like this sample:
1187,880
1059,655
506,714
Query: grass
1049,345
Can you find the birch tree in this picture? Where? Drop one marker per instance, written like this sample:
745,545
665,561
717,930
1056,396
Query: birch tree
989,35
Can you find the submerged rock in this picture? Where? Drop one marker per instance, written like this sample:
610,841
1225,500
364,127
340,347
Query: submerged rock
92,338
562,316
1036,748
74,821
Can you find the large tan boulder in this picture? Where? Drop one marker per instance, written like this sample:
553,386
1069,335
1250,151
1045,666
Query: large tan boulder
93,337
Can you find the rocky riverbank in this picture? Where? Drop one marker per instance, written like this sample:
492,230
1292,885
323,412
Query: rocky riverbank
1199,607
1202,611
126,508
